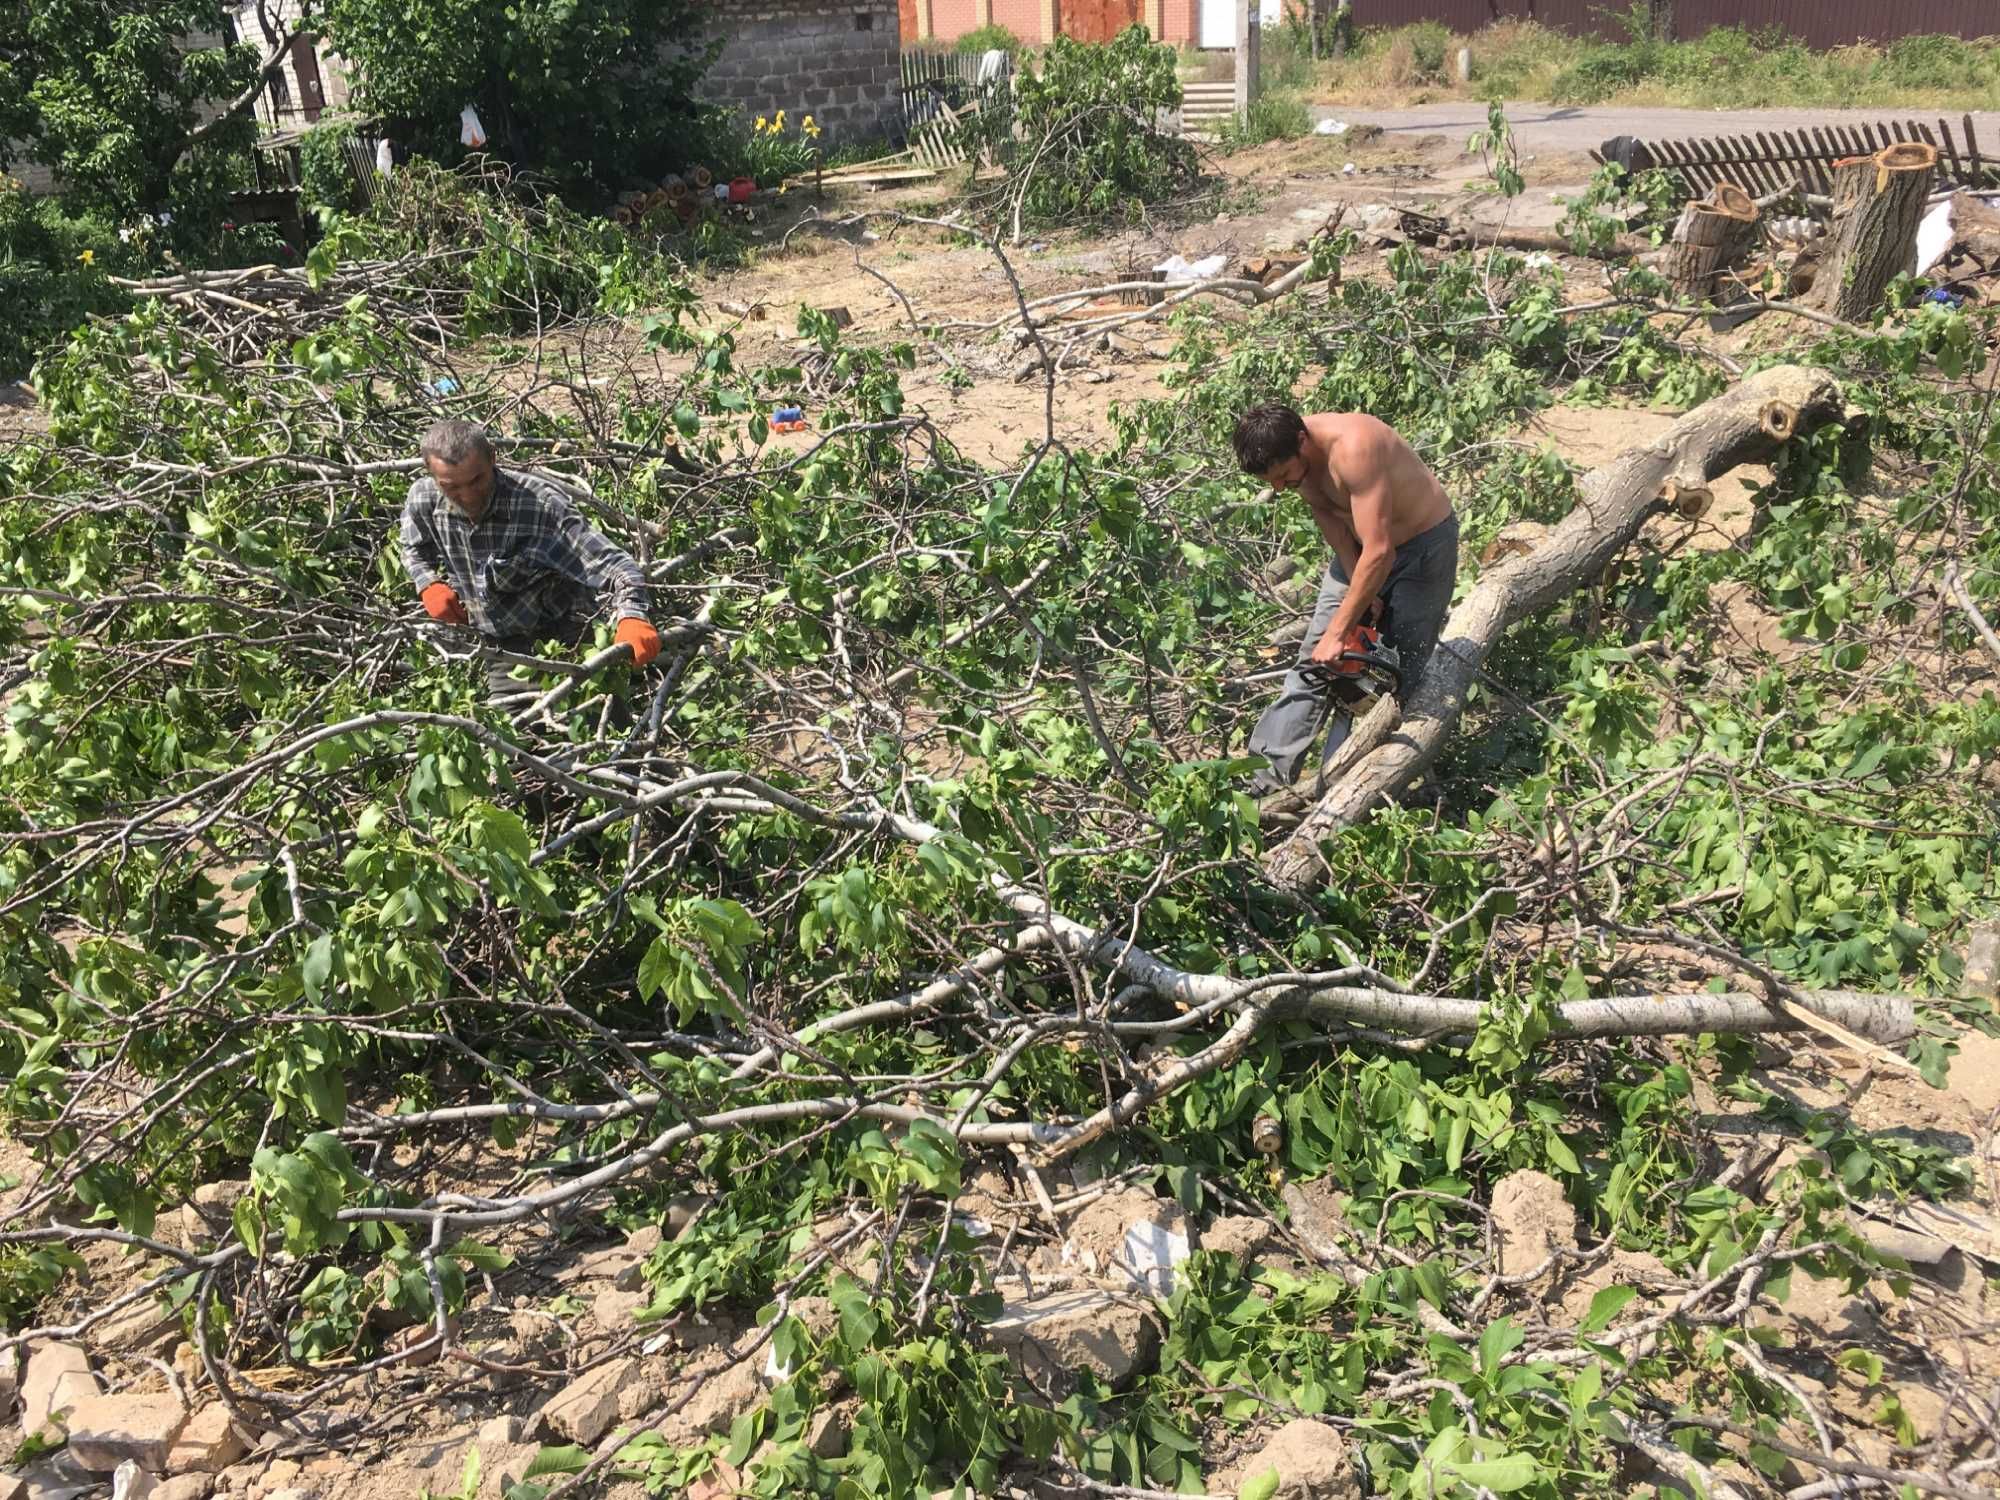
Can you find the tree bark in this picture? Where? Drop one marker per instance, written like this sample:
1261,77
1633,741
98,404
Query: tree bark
1743,425
1711,237
1878,201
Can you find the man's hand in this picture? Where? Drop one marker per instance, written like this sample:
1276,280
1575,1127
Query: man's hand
1327,654
641,637
442,604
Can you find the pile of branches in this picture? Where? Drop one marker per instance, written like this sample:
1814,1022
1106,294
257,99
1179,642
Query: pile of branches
920,850
1087,142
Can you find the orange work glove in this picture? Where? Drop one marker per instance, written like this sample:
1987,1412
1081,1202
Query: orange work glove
441,603
640,636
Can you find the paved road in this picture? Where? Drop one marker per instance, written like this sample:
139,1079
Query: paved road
1554,127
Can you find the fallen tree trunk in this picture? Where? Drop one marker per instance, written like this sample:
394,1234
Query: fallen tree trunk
1711,237
1555,242
1743,425
1878,201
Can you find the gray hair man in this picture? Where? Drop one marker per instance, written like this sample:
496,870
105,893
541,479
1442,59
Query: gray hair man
506,552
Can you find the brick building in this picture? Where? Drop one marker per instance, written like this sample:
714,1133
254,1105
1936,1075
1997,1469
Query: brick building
1189,23
836,60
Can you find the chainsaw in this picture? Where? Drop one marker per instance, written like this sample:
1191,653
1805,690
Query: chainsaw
1366,669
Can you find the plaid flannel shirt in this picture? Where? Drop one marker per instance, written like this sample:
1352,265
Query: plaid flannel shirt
527,564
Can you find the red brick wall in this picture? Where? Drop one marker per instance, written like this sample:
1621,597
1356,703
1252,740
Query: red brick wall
952,18
1022,17
1177,21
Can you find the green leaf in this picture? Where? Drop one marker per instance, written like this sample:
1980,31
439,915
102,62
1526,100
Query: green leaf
1606,1305
318,965
1514,1471
480,1257
1500,1339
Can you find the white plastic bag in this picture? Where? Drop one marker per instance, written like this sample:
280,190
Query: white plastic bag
1934,236
470,131
1179,270
385,162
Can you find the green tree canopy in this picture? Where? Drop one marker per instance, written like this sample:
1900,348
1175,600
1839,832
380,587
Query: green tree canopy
111,93
590,92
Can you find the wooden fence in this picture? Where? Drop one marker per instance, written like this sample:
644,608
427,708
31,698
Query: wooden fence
941,90
1770,160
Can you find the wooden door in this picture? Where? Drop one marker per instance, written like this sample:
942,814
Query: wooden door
305,67
1097,20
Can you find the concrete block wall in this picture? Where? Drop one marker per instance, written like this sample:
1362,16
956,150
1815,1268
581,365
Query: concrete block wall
839,61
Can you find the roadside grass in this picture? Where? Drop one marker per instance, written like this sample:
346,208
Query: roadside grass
1728,68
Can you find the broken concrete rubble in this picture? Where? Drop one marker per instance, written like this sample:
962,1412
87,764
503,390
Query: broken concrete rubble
1311,1462
209,1443
1531,1220
1052,1336
1132,1237
583,1411
57,1376
105,1431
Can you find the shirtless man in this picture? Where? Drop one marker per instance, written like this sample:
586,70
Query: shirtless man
1395,559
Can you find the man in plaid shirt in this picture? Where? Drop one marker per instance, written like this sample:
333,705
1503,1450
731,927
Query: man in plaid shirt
506,553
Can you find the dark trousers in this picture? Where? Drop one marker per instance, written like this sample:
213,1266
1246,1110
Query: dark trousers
504,688
1415,599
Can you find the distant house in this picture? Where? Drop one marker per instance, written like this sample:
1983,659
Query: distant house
1179,23
307,84
310,82
836,60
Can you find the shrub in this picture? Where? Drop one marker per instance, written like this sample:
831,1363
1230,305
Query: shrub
54,273
1089,147
1272,117
1603,71
992,37
1285,59
1430,45
1933,62
326,176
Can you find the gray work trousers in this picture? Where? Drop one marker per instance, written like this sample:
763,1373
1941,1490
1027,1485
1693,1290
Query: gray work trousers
1415,599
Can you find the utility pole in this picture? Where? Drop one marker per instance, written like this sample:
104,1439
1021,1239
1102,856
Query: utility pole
1249,36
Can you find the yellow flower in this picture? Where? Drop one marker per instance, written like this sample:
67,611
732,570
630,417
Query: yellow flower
87,256
779,123
810,128
760,122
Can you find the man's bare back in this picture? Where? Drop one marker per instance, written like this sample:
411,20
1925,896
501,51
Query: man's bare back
1363,450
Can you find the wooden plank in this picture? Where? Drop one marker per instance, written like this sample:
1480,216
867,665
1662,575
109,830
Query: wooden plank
1972,154
1950,150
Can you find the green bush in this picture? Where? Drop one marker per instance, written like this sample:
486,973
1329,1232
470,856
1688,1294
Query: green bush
54,273
326,175
1272,117
1604,71
1088,148
1935,62
992,37
1285,60
1430,45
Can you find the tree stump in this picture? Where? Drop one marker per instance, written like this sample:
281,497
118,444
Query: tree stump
1878,201
1711,237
